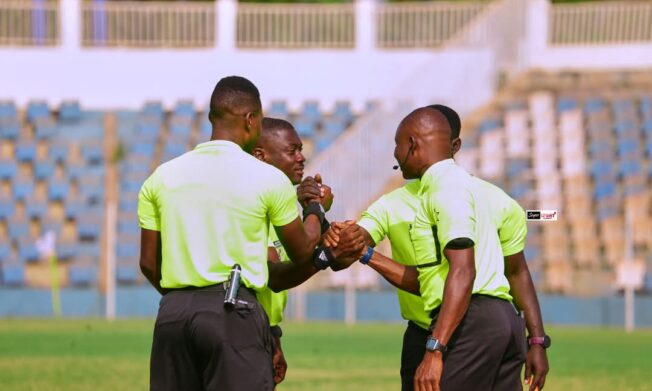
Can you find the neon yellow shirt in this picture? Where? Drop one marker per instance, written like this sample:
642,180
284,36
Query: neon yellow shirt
452,206
274,303
392,215
213,207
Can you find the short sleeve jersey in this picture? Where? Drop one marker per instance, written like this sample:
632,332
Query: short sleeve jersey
274,302
213,207
452,207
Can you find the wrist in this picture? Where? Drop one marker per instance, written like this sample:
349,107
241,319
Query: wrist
323,257
367,256
314,208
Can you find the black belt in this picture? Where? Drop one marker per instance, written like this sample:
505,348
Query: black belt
435,312
219,287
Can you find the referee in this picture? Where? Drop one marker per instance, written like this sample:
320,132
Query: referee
201,214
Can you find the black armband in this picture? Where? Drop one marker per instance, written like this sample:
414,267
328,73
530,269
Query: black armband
314,208
322,257
325,225
276,331
460,244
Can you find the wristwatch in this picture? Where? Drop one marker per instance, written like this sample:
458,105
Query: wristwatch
433,344
543,341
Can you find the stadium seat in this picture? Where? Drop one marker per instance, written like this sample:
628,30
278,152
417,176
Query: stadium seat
43,169
594,105
57,189
88,249
343,111
184,108
333,126
17,228
599,147
205,130
647,127
604,190
92,153
8,110
37,109
566,104
45,129
310,110
518,189
174,149
304,126
82,275
128,202
7,207
35,208
27,251
516,167
67,250
21,188
489,125
322,142
70,111
648,148
146,149
89,226
278,109
601,168
148,130
630,167
127,246
627,147
49,224
13,274
622,106
5,252
153,109
9,130
73,207
8,169
128,223
25,151
127,275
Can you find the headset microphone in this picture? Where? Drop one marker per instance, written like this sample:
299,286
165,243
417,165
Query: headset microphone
407,155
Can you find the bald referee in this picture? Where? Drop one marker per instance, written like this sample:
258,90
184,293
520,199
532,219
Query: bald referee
201,214
393,214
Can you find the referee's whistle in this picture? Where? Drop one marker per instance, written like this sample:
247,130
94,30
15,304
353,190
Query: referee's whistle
231,295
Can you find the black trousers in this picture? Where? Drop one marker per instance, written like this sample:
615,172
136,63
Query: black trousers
199,345
486,352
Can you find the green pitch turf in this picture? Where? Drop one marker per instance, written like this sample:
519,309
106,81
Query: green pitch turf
97,355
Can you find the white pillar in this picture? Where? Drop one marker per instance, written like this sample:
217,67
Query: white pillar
227,16
365,25
70,24
536,31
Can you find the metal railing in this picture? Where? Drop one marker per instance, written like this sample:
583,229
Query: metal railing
291,26
29,23
602,23
431,24
148,24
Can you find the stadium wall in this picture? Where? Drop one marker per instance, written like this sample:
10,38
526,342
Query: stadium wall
374,306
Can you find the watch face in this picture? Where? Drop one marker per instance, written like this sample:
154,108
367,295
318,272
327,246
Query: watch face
546,341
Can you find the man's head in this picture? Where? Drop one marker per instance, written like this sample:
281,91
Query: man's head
280,145
422,139
454,122
236,112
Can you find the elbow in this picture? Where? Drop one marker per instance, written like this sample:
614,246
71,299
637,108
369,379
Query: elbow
146,268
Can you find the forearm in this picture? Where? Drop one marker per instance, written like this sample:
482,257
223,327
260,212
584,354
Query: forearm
457,295
524,294
153,275
401,276
287,275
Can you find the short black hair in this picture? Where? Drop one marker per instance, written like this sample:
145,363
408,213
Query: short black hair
452,117
234,95
275,124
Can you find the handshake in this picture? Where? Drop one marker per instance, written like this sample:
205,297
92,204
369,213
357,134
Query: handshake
347,242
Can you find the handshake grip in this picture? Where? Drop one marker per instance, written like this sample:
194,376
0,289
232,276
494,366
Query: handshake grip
347,243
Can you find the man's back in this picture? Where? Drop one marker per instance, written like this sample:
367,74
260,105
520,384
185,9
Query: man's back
214,206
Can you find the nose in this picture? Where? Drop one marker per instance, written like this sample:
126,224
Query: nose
301,158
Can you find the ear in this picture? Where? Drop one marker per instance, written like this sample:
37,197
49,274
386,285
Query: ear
249,117
456,144
259,154
413,144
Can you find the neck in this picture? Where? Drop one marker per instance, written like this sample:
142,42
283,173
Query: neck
432,159
227,136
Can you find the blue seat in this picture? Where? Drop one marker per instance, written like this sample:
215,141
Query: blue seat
594,105
626,127
489,124
8,110
333,126
128,204
18,229
36,209
67,251
518,189
70,111
92,154
278,109
45,129
13,274
310,110
9,130
305,127
600,168
128,227
143,149
22,188
516,167
184,108
148,130
51,225
322,142
89,249
532,252
82,275
73,208
599,146
127,275
343,111
604,190
647,127
5,251
89,226
606,211
37,109
634,188
58,189
648,147
153,109
8,170
180,128
566,104
127,250
174,149
43,169
27,251
627,147
7,207
25,152
205,130
622,106
92,194
128,185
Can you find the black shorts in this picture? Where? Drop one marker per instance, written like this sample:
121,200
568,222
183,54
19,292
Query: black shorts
199,345
414,347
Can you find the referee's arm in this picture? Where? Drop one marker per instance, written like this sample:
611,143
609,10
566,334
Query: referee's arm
150,257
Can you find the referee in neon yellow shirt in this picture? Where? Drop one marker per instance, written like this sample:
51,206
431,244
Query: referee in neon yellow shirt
392,216
201,214
280,145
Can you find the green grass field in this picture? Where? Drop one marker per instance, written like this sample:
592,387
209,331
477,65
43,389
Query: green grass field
97,355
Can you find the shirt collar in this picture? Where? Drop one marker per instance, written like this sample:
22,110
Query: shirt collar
218,144
439,167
